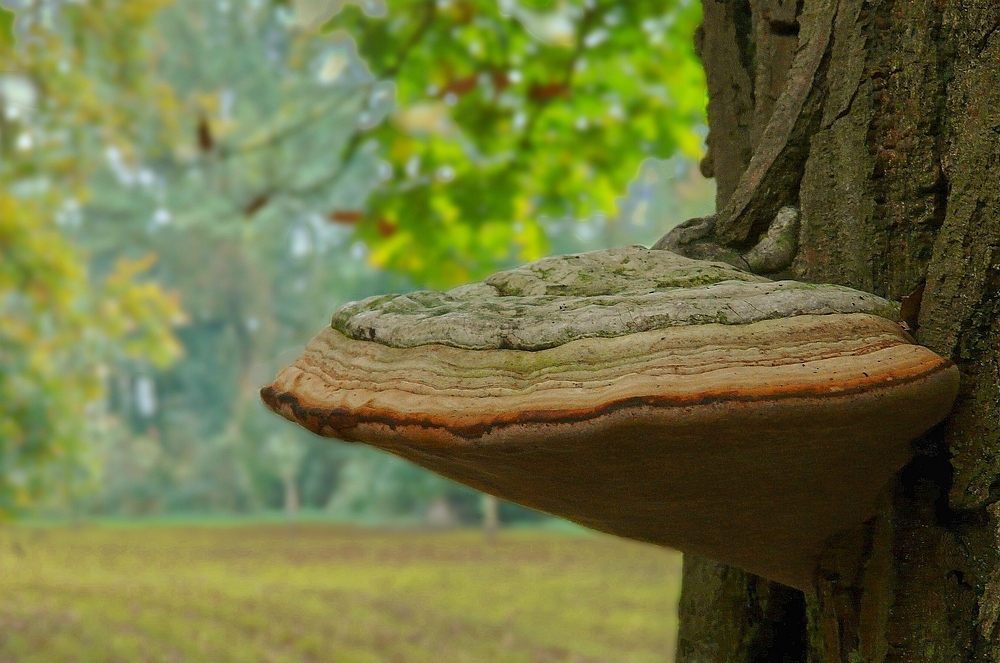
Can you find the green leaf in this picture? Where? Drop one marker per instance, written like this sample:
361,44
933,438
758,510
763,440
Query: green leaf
6,27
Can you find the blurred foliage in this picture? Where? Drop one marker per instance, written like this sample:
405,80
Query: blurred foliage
507,112
61,328
189,189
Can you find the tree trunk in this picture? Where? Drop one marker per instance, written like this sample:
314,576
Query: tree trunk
491,517
291,495
880,119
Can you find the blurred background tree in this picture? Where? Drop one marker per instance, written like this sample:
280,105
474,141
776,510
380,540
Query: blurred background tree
64,326
189,189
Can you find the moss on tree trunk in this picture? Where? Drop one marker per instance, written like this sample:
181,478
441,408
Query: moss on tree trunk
894,160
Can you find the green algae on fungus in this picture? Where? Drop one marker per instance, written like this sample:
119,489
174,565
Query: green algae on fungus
601,294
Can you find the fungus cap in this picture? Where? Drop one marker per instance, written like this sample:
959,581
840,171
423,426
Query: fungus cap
640,393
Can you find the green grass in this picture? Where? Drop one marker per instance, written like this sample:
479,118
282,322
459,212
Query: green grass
315,592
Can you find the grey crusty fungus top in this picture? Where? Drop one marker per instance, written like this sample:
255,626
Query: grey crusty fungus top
604,294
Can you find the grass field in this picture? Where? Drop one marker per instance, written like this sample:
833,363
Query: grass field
330,593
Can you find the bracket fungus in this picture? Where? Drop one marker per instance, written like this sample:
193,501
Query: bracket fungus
637,392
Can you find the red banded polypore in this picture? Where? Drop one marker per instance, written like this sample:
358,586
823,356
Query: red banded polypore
640,393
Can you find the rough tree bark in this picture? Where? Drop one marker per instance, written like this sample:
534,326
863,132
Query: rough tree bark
887,136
